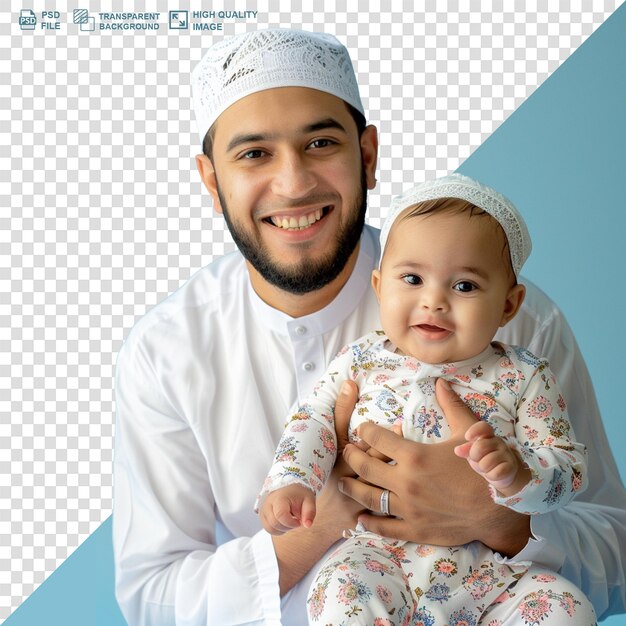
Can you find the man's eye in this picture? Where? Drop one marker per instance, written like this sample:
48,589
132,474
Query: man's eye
412,279
321,143
253,154
464,286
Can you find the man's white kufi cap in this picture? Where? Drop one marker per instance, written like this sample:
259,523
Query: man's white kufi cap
481,196
264,59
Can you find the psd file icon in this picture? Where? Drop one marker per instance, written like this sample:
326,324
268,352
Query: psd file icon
28,19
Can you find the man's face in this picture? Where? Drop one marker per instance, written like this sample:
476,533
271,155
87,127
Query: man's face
290,174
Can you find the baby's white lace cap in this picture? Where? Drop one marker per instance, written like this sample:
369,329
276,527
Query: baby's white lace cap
465,188
265,59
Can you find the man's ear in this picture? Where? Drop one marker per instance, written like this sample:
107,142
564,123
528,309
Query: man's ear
207,174
376,283
514,300
369,154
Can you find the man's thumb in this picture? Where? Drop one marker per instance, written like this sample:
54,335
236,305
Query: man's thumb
343,411
458,414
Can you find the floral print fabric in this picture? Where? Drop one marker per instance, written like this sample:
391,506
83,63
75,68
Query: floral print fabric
507,386
371,578
374,580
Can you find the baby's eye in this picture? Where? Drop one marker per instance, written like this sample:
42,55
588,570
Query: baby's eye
465,286
412,279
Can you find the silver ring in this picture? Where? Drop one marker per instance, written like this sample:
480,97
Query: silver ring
384,502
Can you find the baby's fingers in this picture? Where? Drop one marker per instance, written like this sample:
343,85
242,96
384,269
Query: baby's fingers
287,515
479,430
270,523
485,446
463,450
308,512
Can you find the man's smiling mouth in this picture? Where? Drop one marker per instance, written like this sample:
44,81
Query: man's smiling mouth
290,222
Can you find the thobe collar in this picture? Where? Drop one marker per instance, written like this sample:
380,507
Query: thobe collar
335,312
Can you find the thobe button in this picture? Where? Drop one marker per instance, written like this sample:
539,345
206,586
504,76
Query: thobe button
300,330
308,366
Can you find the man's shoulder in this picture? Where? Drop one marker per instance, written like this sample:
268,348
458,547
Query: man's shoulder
537,311
199,300
537,303
539,325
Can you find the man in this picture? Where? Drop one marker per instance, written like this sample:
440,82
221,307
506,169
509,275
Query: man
205,379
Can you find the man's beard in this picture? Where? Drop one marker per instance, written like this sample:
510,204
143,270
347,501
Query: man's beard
307,275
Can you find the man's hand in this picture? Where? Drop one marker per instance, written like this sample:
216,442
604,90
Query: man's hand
435,496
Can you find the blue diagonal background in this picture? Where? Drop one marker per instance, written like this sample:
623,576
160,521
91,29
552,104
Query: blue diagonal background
561,157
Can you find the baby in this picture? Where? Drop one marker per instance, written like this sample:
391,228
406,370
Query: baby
451,251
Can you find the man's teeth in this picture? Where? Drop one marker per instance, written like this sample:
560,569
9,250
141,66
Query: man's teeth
294,223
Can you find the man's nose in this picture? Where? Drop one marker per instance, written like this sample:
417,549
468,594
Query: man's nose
293,177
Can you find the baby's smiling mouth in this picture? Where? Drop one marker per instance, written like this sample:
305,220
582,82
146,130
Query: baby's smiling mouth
431,331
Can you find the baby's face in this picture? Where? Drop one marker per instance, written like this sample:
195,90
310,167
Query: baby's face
445,285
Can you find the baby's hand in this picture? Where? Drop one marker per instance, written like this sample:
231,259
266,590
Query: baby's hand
288,508
491,457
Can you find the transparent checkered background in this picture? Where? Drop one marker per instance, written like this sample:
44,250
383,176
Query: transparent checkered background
103,215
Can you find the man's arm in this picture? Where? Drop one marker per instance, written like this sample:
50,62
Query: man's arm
585,540
299,550
169,567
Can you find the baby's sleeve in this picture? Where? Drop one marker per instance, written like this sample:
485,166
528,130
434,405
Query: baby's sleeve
307,449
545,441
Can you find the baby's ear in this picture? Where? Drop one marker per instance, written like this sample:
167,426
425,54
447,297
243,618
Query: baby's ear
376,283
513,302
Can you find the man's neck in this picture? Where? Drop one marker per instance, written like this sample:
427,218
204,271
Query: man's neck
299,305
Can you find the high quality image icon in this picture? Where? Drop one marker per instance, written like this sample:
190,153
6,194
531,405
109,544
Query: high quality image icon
179,20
